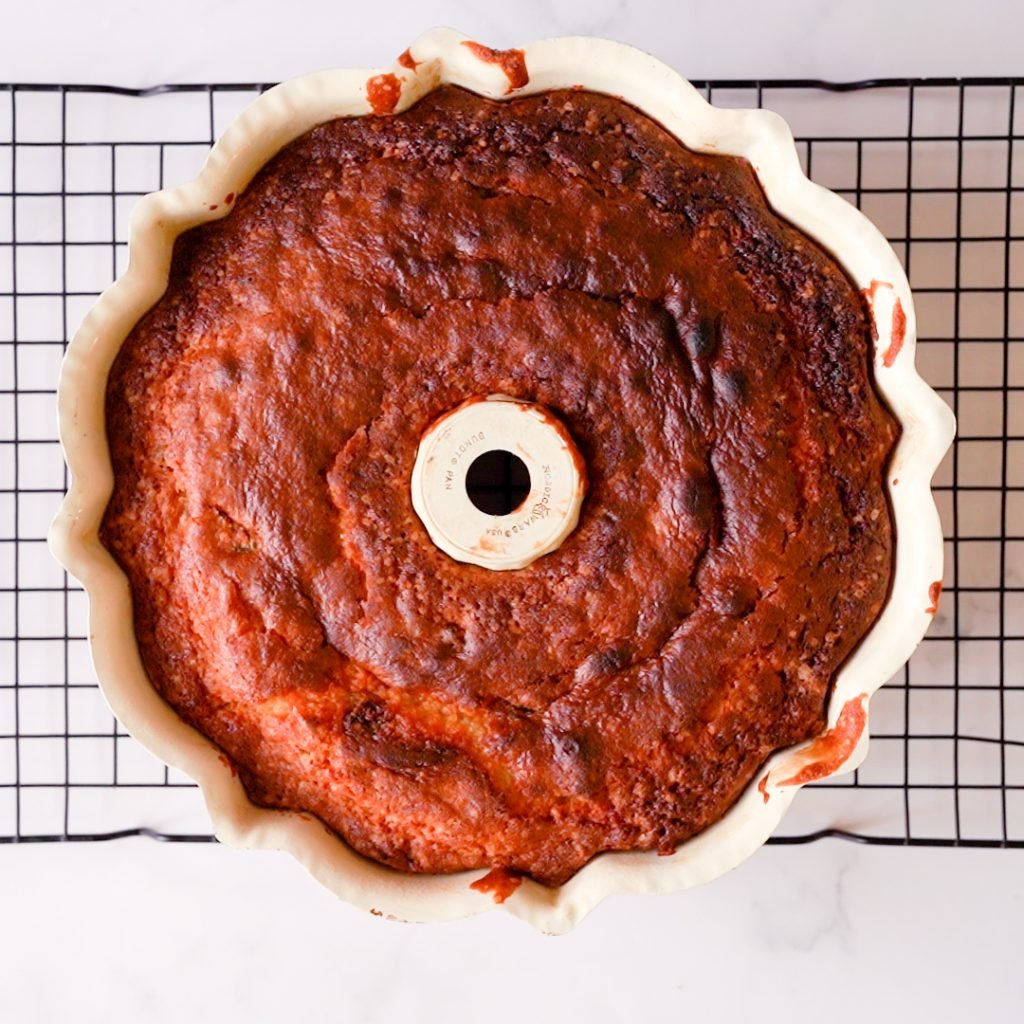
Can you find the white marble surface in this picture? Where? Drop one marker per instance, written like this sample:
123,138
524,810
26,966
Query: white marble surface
139,42
135,931
140,932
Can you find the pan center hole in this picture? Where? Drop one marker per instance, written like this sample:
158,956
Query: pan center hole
497,482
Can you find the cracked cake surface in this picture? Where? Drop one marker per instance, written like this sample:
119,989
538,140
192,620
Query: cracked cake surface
713,367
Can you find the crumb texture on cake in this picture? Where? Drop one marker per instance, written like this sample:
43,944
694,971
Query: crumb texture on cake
712,365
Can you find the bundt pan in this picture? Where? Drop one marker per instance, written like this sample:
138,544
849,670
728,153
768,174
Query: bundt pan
442,57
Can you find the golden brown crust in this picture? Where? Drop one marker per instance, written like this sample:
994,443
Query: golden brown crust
712,365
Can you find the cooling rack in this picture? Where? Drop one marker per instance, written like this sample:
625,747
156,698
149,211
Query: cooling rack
937,164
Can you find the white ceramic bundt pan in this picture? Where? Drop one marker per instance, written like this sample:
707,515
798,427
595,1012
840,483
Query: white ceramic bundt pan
439,57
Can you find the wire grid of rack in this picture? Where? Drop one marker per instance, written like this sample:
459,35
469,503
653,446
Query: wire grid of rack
938,165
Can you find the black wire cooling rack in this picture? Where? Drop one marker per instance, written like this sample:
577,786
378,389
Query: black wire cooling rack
937,164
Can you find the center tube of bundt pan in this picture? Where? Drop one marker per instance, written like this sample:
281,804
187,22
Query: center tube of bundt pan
498,482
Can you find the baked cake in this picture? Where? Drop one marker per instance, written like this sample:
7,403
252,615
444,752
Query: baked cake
712,365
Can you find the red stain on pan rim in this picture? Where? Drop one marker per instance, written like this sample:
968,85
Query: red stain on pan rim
383,92
405,58
831,750
499,882
512,62
898,333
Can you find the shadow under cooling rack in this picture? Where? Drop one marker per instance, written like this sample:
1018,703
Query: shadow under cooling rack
937,164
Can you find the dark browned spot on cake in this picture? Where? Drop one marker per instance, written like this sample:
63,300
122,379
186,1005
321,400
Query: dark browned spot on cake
734,386
703,339
374,732
229,368
698,501
611,659
737,599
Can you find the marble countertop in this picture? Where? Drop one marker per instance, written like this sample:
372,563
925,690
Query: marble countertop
139,931
124,41
136,931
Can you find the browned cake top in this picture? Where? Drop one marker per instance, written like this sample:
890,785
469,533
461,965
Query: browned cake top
712,366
